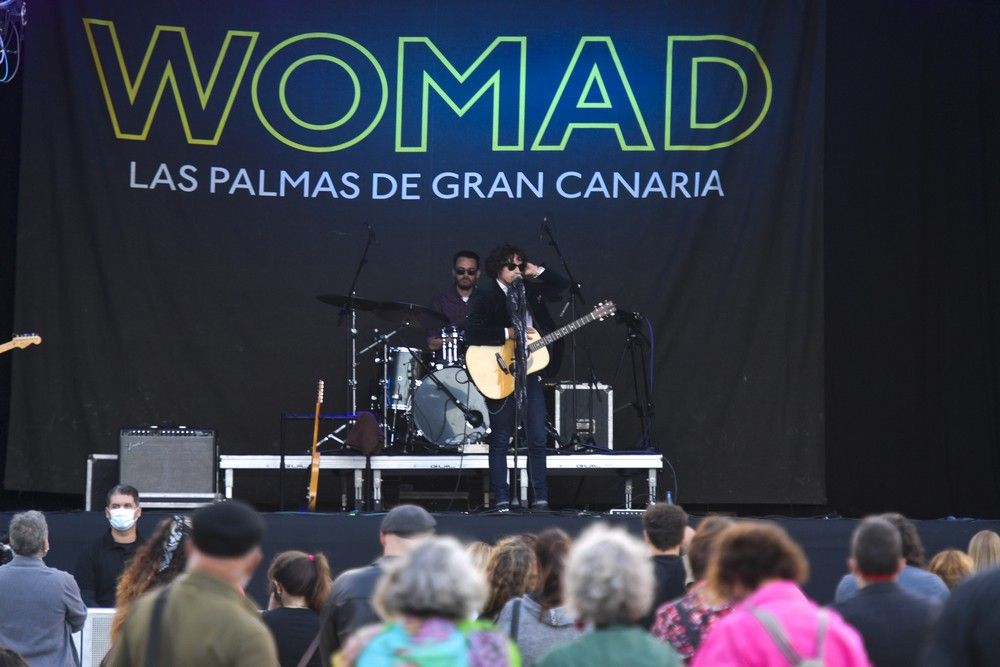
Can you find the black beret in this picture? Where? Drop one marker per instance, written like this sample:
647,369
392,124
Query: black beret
226,530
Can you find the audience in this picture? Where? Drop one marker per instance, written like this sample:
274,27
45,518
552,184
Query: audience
538,621
914,578
894,624
299,584
100,565
40,606
984,550
968,630
180,596
952,565
663,529
203,617
349,605
480,553
426,599
609,584
757,565
684,622
158,561
510,572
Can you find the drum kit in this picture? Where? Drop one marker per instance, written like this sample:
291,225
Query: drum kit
425,398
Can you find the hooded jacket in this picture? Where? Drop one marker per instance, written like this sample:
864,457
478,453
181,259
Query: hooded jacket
536,633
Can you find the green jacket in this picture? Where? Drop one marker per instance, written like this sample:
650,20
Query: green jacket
613,646
206,622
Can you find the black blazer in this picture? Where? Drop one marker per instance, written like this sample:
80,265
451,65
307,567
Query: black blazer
488,318
895,625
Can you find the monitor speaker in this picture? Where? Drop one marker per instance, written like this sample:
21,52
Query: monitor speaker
169,467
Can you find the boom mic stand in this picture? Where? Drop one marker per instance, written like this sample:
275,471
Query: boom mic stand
349,308
635,346
577,439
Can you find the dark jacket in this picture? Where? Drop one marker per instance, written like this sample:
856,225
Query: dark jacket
968,630
894,624
488,318
349,606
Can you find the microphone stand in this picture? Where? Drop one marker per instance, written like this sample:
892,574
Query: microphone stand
352,382
346,309
576,295
517,308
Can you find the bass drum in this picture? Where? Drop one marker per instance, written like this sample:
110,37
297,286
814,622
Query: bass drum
437,416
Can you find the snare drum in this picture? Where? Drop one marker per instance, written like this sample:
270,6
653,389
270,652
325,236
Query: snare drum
404,371
451,346
437,416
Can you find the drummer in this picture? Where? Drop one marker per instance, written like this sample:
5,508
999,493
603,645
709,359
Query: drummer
453,301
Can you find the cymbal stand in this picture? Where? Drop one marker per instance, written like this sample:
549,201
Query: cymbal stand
382,339
349,308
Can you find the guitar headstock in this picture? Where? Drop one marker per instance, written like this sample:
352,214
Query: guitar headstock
319,392
604,310
22,341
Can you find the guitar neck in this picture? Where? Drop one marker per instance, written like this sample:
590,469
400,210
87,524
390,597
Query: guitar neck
6,346
562,331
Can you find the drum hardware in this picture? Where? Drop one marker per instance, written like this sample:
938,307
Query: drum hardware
451,348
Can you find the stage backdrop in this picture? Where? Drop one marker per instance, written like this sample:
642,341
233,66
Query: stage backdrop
194,174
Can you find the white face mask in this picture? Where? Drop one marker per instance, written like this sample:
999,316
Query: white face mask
122,519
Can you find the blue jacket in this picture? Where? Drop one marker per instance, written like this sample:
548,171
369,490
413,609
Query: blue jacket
40,607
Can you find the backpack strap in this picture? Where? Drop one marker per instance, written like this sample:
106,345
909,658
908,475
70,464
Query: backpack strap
777,632
156,627
693,631
515,620
307,656
821,621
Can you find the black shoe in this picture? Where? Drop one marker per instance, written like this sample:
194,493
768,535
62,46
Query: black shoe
503,506
541,506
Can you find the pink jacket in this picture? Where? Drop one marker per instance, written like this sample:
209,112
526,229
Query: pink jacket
740,639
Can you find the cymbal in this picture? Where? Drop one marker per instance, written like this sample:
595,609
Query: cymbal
400,312
341,300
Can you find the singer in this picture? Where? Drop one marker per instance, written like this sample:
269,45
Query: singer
489,323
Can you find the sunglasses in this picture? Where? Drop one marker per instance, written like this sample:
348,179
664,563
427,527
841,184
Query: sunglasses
511,266
466,272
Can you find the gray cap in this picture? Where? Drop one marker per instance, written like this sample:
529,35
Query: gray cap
405,520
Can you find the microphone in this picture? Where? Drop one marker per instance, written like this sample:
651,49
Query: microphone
544,231
371,232
474,417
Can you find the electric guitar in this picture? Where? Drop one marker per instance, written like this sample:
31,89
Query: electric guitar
314,471
21,341
492,366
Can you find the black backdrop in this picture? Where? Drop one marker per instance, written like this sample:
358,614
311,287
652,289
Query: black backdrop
911,209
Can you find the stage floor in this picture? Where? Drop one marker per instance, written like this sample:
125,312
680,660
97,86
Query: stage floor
351,539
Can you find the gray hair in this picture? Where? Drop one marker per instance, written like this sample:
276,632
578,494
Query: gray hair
436,579
28,532
609,577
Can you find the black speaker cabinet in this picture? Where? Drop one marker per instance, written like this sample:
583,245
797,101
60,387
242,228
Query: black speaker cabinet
594,416
176,467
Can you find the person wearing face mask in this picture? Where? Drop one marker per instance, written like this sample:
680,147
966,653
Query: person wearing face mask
100,565
203,617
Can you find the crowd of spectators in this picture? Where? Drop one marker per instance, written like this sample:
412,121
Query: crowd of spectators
726,593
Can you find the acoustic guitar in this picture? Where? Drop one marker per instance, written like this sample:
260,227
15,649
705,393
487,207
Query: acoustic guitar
21,341
491,367
313,491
